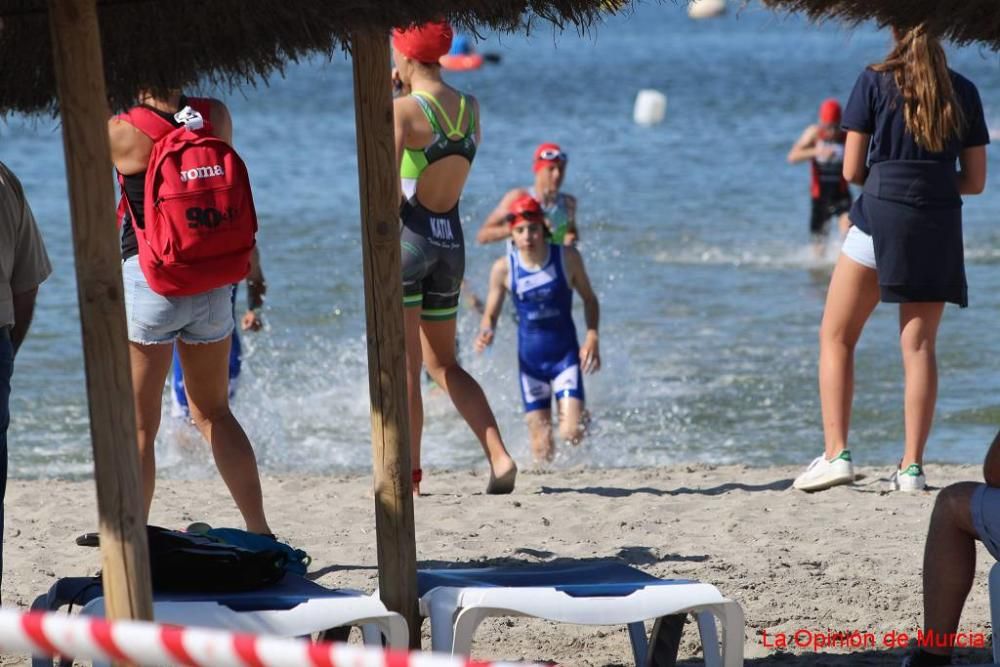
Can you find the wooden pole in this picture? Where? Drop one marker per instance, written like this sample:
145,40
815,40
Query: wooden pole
379,188
83,105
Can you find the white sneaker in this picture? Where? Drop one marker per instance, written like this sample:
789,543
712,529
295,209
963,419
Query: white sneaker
911,479
822,474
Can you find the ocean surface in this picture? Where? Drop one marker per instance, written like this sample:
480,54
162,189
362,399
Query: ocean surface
694,233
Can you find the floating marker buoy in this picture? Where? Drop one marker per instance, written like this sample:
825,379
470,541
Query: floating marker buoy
706,9
650,107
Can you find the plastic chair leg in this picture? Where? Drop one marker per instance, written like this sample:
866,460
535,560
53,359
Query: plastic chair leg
709,638
730,614
995,608
442,615
397,632
371,634
466,623
640,645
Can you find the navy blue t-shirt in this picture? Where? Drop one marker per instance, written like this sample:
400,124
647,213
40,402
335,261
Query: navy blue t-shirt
876,108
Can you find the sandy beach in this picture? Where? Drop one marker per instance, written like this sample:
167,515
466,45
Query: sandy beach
845,559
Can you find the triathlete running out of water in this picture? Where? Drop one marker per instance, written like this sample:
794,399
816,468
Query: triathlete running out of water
541,276
437,131
823,145
559,207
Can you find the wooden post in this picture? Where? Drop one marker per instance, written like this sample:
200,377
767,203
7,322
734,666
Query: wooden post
379,188
83,105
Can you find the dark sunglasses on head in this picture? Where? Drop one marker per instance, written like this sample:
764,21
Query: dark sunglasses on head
552,155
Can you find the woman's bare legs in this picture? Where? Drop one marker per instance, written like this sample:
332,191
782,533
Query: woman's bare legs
150,365
438,347
918,327
206,380
850,300
415,402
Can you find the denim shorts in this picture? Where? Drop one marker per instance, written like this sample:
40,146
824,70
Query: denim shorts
986,517
859,247
154,318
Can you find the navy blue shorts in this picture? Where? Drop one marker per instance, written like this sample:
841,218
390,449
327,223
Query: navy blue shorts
539,381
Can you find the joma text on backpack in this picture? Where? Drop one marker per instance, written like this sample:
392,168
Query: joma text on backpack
202,172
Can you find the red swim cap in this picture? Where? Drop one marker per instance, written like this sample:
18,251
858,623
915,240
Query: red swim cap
524,209
547,154
425,43
829,112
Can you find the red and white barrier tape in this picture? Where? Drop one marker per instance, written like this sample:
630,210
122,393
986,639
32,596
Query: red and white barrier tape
143,643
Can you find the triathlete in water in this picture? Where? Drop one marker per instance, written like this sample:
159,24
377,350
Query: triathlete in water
559,207
437,131
541,277
823,145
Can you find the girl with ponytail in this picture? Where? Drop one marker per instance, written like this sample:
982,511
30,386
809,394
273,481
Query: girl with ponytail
916,142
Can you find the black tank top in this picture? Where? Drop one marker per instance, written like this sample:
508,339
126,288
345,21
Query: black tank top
135,192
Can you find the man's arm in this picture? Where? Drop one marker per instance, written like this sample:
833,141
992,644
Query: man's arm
590,354
494,303
805,147
24,310
495,228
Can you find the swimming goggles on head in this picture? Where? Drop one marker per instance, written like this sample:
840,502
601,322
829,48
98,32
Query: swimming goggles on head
553,155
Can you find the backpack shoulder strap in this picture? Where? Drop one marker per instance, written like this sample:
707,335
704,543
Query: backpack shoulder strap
148,122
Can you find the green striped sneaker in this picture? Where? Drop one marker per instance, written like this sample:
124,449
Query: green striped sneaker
911,479
822,474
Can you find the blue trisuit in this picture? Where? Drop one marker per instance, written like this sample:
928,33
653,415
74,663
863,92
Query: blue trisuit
547,349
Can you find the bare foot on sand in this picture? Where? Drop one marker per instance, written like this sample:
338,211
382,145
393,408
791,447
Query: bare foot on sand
504,482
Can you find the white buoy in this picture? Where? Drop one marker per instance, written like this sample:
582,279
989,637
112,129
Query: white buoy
650,107
706,9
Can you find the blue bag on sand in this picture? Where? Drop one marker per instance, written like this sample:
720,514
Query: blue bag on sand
296,560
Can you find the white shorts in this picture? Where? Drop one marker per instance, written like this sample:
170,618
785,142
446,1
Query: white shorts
859,247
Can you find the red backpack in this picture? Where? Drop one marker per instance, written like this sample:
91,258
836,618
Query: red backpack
199,223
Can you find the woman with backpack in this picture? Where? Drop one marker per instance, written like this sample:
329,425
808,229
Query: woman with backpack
164,309
437,132
908,121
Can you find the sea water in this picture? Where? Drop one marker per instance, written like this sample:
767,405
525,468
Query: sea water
694,233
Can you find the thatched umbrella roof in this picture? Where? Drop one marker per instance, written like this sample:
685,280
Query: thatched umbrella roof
961,22
178,43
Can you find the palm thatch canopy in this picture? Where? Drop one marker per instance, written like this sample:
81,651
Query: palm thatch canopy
175,44
961,22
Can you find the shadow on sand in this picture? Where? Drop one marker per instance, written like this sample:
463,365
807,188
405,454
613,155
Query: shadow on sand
616,492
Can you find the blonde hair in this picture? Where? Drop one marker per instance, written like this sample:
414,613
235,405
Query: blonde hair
930,106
